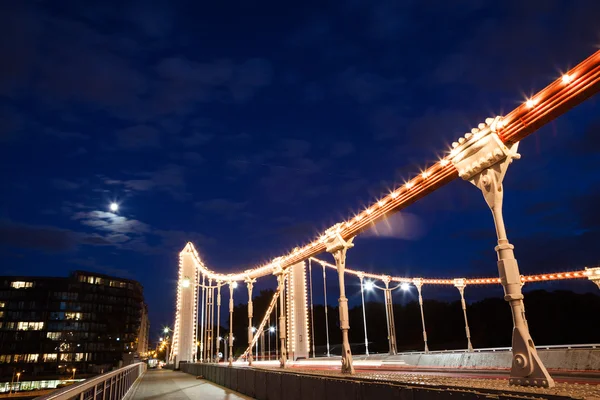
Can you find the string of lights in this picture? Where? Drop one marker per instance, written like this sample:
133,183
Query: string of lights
581,274
572,88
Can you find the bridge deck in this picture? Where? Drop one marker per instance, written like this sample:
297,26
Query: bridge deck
169,385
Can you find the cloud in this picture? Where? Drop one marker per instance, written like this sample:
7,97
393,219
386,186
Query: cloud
65,184
196,139
170,179
341,149
401,225
46,238
110,222
366,87
221,206
138,137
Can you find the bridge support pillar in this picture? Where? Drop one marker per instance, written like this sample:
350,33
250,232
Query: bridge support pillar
280,273
593,275
460,284
250,283
232,285
184,346
337,246
482,159
389,315
297,314
418,282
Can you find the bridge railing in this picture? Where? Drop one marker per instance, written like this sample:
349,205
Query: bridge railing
499,349
112,385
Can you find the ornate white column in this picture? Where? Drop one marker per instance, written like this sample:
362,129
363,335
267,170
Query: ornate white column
389,315
232,285
184,334
280,274
482,159
593,275
217,339
297,314
418,282
250,284
460,284
337,246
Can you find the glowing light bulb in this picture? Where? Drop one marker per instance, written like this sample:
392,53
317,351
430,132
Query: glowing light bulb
114,207
444,162
566,78
405,286
369,285
272,329
234,285
380,203
393,195
409,185
424,175
185,283
531,103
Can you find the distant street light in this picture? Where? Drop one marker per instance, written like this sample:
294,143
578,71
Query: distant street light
114,207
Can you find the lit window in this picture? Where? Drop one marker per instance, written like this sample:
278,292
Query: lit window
79,356
73,315
54,335
50,357
1,314
2,304
4,358
18,357
21,284
31,358
66,357
30,326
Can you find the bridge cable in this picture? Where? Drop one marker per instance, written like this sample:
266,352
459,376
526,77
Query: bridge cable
202,320
326,319
261,327
362,295
312,315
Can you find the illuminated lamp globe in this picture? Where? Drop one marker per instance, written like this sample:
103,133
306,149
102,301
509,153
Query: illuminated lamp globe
185,283
272,329
234,285
114,207
369,285
405,286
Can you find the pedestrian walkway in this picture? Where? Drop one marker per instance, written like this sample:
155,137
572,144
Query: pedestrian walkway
165,384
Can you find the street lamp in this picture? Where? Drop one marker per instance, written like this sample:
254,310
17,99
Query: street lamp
73,377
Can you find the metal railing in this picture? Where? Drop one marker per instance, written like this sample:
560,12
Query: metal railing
113,385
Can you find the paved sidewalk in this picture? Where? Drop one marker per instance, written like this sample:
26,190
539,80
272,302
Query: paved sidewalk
165,384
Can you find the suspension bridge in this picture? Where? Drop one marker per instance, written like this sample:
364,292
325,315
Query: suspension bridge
482,158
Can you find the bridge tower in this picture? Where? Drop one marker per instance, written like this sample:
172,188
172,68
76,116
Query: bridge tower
298,343
186,314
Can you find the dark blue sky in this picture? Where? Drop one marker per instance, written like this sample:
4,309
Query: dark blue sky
248,128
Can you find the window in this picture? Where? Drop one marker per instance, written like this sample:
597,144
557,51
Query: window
2,304
66,357
30,326
79,356
31,358
21,284
4,358
50,357
73,315
1,314
18,357
54,335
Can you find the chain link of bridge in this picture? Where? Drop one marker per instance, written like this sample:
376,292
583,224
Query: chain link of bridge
482,158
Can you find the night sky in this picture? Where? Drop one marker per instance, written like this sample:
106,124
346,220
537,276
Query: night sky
248,128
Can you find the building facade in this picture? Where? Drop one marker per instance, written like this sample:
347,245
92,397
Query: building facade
77,326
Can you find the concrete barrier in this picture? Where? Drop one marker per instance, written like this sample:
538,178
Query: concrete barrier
553,359
289,385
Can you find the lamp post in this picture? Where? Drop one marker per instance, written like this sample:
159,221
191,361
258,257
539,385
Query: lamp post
73,377
166,330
